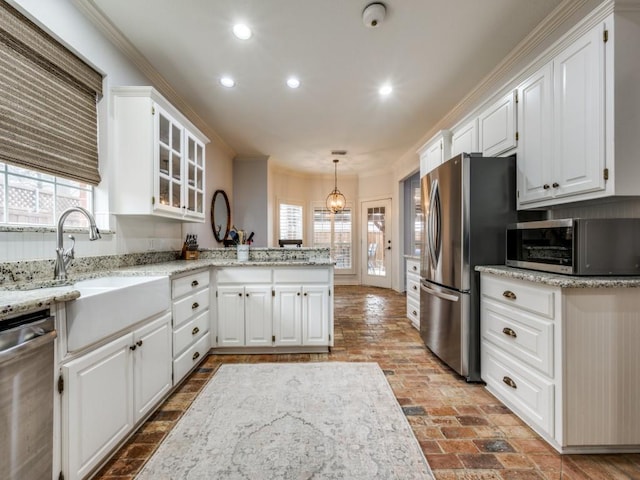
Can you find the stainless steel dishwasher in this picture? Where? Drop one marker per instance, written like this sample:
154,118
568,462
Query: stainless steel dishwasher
26,396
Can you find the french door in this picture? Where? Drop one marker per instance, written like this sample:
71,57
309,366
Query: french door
376,243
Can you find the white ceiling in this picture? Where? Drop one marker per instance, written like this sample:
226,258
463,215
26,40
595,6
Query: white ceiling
433,52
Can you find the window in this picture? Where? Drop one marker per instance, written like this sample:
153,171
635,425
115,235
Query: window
33,198
291,221
334,231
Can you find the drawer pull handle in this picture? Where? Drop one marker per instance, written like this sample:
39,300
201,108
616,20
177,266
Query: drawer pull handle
555,185
415,313
195,305
139,343
509,382
546,186
195,283
509,294
195,355
510,332
195,331
132,348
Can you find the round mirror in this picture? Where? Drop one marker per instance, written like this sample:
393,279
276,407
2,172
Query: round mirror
220,215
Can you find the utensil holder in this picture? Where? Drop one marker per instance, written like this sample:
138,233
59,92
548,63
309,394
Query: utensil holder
243,253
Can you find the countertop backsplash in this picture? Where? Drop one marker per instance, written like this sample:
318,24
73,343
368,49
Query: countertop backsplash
39,273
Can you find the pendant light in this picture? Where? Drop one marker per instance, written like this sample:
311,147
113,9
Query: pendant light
336,200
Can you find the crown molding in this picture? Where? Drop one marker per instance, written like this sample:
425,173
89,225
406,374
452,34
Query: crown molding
89,9
504,71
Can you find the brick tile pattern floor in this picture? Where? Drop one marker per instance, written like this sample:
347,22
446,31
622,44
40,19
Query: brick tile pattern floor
464,431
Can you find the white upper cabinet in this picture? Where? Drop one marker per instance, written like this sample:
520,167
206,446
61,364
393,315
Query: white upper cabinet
497,126
158,158
534,146
435,151
465,138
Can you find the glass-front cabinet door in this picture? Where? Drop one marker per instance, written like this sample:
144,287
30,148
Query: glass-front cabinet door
195,170
169,195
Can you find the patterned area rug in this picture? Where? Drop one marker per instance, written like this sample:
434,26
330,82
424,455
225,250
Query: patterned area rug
292,421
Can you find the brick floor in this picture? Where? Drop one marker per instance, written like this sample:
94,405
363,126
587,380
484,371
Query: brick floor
464,431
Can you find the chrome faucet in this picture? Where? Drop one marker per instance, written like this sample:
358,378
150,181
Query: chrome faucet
64,257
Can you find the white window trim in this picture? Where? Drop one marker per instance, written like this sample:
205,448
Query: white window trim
349,205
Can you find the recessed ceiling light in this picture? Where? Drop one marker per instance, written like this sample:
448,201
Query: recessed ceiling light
293,82
227,82
242,31
385,90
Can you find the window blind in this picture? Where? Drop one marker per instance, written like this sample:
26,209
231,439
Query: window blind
48,116
290,222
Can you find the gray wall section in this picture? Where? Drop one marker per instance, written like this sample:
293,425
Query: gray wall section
250,204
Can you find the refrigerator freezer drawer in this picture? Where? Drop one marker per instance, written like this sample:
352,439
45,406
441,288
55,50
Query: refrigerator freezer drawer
444,318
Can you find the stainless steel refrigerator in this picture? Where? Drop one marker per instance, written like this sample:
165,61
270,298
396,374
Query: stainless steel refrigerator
468,202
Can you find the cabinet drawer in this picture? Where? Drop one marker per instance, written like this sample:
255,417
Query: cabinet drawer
244,275
301,275
190,358
413,310
523,335
183,285
534,298
190,306
413,288
413,267
190,332
529,395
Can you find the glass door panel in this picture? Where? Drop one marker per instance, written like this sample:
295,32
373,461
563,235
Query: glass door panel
376,250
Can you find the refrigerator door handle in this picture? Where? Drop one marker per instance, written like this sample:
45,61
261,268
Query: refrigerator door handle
433,226
444,296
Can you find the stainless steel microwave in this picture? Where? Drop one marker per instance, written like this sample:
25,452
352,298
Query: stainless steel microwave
576,246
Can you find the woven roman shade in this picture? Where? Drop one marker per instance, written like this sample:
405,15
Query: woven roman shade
48,116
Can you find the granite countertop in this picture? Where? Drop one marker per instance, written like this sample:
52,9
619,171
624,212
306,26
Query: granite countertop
412,257
16,300
558,280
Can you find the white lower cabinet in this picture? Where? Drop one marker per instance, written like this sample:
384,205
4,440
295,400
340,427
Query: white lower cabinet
413,292
562,358
191,297
290,307
109,389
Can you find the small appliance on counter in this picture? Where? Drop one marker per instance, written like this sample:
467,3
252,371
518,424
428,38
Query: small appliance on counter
576,246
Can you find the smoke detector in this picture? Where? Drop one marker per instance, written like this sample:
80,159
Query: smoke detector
373,14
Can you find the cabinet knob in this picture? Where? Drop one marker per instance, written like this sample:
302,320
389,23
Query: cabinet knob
555,185
239,294
298,293
247,294
509,332
415,313
132,348
139,343
195,355
195,331
509,382
195,283
195,305
305,294
546,186
415,269
509,294
415,287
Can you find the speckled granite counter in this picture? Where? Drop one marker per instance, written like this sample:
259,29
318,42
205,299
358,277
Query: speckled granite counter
412,257
563,281
19,298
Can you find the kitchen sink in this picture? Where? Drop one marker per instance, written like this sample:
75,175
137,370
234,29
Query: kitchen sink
109,304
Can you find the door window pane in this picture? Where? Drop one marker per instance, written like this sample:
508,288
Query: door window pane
375,241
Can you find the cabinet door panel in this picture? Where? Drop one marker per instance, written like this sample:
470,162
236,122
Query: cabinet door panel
315,314
465,139
258,316
152,364
534,146
497,126
579,116
230,316
97,404
288,316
